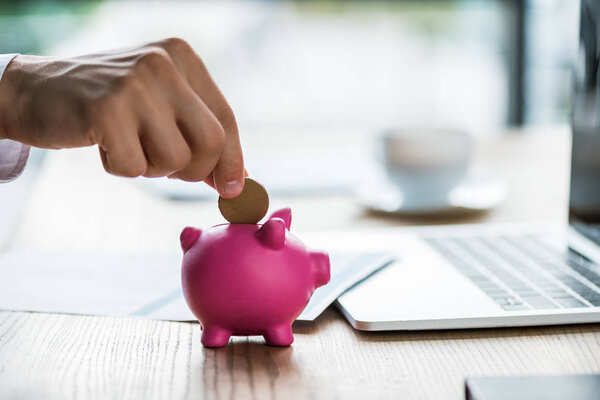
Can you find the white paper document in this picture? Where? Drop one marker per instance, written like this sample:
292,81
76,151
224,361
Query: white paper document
135,285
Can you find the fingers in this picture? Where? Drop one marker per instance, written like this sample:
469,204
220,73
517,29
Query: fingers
159,150
165,148
166,151
120,148
123,156
204,135
210,181
212,152
183,126
228,174
139,136
179,135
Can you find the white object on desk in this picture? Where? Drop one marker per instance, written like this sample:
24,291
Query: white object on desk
477,191
134,285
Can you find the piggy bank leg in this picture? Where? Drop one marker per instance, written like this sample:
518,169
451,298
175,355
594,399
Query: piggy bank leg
280,335
214,337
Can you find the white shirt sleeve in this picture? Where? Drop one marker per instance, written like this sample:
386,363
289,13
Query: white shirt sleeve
13,155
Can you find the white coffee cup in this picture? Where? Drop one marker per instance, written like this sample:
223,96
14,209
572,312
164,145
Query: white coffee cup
425,163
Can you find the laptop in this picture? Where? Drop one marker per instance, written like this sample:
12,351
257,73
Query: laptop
494,276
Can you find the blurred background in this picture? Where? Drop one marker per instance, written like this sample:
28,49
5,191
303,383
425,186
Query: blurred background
313,83
480,88
339,65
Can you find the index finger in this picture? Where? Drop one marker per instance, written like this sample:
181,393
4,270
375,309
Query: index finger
228,175
211,182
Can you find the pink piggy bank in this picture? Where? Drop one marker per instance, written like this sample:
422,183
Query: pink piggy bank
249,279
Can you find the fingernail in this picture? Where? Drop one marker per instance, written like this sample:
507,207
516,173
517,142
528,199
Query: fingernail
232,188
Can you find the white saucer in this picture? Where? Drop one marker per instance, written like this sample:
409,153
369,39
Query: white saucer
478,191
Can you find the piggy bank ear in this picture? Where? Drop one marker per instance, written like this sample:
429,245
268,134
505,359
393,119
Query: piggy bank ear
285,214
188,237
272,233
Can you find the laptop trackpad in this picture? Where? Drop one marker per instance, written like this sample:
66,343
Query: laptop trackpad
422,286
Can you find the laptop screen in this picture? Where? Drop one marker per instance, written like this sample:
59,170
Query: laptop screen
584,201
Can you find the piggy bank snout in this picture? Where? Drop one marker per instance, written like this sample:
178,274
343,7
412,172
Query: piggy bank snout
321,267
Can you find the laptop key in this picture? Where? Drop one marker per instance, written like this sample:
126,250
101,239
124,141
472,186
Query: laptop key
505,299
496,295
594,299
514,307
526,292
569,302
558,292
488,285
539,302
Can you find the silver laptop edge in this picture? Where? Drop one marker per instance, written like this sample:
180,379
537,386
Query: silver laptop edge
494,317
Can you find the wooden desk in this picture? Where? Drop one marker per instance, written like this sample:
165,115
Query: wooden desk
54,356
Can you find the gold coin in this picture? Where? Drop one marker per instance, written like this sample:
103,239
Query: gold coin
247,208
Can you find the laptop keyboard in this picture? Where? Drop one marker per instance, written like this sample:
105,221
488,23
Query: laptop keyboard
524,272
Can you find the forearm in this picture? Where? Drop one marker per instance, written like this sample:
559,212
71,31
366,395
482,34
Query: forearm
13,155
5,59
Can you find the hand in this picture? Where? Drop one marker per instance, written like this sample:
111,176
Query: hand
153,110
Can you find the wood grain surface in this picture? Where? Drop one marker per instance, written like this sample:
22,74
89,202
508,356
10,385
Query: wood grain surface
54,356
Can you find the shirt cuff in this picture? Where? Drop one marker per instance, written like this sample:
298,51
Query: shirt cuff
5,59
13,155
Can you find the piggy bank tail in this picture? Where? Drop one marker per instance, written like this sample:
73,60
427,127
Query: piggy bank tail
188,237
